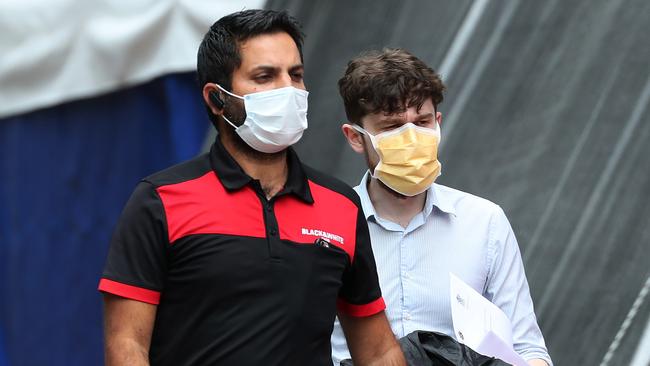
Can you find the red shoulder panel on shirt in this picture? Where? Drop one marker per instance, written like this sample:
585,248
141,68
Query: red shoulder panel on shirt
204,206
332,217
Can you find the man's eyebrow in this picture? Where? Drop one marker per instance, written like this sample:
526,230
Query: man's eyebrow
267,68
424,116
392,119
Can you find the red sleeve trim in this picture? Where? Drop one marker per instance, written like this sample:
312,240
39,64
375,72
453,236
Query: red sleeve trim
368,309
130,292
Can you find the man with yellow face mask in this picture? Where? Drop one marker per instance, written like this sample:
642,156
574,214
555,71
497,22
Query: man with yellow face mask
422,231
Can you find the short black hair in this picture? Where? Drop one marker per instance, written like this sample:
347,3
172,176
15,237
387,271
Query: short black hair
219,52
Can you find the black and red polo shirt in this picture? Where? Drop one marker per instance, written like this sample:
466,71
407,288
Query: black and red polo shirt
239,279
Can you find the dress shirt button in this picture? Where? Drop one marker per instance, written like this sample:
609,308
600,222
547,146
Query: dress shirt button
407,316
273,232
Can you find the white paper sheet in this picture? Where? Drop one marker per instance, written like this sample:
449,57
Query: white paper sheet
480,324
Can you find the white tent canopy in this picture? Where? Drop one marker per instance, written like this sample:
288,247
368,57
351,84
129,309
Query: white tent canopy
60,50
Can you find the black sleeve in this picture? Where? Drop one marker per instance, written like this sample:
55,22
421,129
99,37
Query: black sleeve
137,259
360,294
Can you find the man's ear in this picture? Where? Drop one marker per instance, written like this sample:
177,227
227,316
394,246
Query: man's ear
354,137
439,118
212,97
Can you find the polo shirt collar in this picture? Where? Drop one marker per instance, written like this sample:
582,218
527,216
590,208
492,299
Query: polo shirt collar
233,177
435,198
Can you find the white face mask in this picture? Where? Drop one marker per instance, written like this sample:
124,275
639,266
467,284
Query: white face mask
275,119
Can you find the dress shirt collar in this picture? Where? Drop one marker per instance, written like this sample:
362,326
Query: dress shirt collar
435,198
233,177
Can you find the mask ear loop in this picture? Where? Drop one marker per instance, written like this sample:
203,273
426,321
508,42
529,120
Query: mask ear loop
362,131
359,129
229,93
230,123
233,95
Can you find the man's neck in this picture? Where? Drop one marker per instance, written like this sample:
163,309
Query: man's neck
271,170
393,206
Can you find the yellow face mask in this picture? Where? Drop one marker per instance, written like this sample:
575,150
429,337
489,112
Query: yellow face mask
408,157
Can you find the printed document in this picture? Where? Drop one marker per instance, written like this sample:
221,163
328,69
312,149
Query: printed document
481,325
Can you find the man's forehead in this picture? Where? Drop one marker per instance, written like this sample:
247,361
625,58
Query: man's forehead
269,50
410,107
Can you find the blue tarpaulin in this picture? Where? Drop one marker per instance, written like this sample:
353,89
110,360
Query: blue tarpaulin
66,172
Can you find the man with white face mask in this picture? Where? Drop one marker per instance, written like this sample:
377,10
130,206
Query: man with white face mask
422,231
244,256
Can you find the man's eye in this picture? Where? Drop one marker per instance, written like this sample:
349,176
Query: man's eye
297,75
262,78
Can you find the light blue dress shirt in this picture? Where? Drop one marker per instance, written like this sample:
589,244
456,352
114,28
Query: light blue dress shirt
459,233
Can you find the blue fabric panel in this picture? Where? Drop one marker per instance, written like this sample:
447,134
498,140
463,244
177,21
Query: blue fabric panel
66,172
3,357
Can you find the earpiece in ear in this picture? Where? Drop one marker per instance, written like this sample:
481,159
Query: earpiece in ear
216,100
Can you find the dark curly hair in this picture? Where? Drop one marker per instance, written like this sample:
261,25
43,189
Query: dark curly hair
388,81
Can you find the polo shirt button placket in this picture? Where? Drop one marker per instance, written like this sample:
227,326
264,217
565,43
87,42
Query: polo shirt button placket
272,232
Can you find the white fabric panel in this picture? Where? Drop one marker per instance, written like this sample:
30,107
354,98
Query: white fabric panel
59,50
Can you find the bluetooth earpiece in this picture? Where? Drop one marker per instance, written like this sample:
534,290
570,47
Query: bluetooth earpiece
216,100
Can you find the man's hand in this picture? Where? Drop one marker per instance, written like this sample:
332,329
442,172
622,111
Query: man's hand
127,331
371,341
